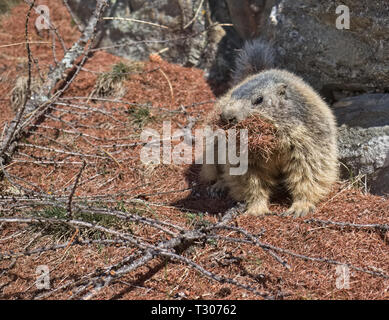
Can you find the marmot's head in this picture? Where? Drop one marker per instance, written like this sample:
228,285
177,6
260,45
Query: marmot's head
262,94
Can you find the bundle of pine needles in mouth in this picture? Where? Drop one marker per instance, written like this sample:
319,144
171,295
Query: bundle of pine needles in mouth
261,133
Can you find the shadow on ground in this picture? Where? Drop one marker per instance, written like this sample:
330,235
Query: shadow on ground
200,200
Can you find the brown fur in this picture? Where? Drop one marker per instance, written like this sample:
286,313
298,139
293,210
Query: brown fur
306,157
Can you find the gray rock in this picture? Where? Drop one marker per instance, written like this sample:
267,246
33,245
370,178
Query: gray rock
197,44
364,138
338,63
246,16
354,61
184,39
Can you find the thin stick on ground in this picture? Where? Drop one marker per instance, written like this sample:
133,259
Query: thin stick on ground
195,16
23,43
137,21
70,210
375,227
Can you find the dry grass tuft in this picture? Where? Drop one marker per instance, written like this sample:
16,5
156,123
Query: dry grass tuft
111,83
19,91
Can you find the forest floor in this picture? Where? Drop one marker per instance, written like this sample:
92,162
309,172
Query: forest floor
156,92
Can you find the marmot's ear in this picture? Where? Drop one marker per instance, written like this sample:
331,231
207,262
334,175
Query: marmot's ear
281,89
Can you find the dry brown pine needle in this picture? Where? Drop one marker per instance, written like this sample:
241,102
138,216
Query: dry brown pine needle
261,133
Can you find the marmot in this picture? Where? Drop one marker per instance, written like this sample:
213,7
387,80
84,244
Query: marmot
305,160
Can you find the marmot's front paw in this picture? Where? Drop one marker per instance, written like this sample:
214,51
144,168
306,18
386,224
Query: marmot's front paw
300,209
217,190
257,209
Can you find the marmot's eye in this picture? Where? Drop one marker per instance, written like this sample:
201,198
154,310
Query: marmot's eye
257,100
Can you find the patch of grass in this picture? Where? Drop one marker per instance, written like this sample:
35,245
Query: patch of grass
212,242
141,115
110,83
73,23
197,220
355,181
63,230
121,206
121,71
7,5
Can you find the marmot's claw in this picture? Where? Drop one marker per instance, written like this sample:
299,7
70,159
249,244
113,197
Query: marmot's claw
216,191
299,209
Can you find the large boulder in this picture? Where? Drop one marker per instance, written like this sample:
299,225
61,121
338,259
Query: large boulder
364,138
193,36
337,62
180,30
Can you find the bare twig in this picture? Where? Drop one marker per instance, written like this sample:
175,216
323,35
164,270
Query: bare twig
169,83
70,214
375,227
23,43
74,17
137,21
195,16
177,39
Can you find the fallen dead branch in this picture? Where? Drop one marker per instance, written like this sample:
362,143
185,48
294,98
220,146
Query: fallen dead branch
171,249
37,105
342,225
